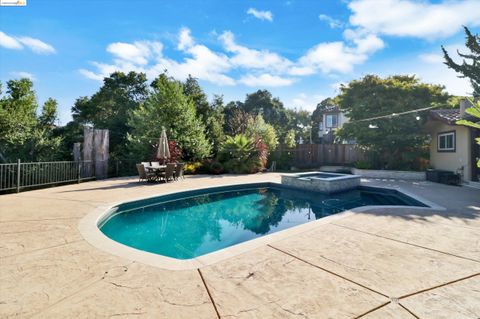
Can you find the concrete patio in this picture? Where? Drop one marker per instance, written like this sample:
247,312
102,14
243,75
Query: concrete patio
381,263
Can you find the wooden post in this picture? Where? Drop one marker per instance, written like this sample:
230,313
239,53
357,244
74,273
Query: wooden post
18,176
76,152
88,148
101,149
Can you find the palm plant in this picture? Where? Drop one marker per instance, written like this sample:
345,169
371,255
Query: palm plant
239,155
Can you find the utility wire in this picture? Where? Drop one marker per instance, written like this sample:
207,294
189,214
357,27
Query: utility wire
395,114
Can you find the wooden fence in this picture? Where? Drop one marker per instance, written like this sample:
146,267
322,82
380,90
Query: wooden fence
314,155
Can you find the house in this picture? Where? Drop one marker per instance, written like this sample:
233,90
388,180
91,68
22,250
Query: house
453,147
327,120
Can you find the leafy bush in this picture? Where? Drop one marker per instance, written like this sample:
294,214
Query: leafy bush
362,164
239,155
213,167
284,158
193,168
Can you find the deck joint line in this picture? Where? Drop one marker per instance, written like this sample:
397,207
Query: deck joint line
326,270
43,248
438,286
404,242
409,311
372,310
208,292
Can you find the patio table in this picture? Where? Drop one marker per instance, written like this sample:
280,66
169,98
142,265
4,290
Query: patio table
156,169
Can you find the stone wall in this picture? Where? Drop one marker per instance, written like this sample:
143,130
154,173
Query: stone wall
323,185
387,174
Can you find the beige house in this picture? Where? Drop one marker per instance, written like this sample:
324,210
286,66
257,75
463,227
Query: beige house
330,119
453,147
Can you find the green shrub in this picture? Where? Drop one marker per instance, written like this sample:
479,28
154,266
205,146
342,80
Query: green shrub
362,164
193,168
239,155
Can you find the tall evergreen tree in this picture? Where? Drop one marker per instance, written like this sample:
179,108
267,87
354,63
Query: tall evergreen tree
468,70
210,114
167,106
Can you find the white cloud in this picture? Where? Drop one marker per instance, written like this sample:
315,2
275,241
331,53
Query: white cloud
91,75
414,18
185,39
254,67
137,52
262,15
18,43
204,64
9,42
250,58
431,58
306,102
22,74
265,80
332,23
146,56
37,46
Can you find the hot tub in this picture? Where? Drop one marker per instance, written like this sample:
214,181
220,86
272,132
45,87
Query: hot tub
324,182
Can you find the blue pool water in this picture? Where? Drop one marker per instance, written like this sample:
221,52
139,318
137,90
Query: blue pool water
191,224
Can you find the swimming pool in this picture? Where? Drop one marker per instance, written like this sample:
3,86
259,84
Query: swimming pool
190,224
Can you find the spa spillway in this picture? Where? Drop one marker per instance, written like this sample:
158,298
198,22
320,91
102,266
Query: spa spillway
324,182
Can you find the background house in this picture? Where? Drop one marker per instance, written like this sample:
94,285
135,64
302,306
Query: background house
325,122
453,147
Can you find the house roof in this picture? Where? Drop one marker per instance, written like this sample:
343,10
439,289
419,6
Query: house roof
449,116
331,109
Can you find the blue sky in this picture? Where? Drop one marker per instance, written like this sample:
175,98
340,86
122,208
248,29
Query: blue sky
299,50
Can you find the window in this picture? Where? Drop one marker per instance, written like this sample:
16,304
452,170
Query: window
332,120
320,126
446,142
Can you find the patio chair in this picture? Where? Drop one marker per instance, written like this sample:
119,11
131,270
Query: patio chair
145,163
155,164
179,171
169,172
144,175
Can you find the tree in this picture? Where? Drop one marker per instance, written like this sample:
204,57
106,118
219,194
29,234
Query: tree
300,121
167,106
258,129
23,135
262,102
109,107
215,122
49,113
290,139
468,70
472,72
210,114
237,121
396,140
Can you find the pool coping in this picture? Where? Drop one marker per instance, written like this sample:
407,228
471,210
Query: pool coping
88,227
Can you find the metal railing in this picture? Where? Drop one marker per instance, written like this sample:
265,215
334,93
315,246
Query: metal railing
17,176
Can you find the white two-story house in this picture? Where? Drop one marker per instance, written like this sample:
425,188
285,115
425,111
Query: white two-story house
327,121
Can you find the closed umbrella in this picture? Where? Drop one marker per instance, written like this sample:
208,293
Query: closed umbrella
163,152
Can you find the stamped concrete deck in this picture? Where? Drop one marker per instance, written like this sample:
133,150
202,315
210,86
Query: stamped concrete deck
382,263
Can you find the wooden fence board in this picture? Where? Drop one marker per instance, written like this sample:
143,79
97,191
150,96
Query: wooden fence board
308,155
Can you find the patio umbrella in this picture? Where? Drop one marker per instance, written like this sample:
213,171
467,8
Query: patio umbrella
163,152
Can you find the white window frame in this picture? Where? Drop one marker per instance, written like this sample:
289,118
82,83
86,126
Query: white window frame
445,136
332,116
